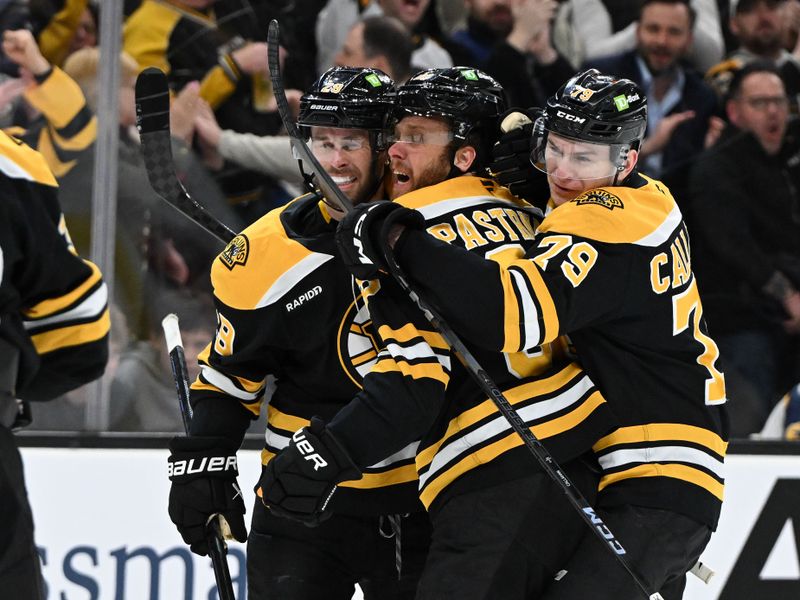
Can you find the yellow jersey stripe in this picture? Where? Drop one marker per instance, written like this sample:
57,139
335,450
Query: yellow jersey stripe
416,371
48,307
75,335
663,432
682,472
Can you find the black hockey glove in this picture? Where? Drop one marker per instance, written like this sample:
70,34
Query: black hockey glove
362,234
203,473
301,480
511,158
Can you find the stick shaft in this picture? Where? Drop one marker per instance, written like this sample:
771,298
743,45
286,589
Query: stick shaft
217,548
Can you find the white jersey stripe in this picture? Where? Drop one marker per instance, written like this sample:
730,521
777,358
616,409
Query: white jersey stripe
225,384
91,306
420,350
463,445
447,206
662,454
292,277
664,231
532,333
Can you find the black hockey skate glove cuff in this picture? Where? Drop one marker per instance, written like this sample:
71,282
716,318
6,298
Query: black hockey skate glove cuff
362,234
300,481
203,473
511,157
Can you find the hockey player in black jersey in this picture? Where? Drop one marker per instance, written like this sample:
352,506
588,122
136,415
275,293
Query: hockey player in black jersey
53,337
501,527
287,309
610,266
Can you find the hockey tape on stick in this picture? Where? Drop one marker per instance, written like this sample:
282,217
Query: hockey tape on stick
542,455
702,572
217,527
152,121
301,151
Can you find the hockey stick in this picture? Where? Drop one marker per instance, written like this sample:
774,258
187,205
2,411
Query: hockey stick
329,189
152,121
217,549
542,455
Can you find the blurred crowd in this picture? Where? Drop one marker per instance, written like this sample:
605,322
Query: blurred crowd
722,78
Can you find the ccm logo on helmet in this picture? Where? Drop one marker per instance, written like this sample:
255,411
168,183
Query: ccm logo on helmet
569,117
214,464
307,450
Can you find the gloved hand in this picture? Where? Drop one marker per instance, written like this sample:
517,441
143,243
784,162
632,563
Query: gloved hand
203,473
301,480
511,158
362,235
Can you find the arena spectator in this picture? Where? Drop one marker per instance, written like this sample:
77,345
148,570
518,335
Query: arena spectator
54,118
680,105
762,28
746,217
510,40
589,29
338,16
184,40
381,43
63,26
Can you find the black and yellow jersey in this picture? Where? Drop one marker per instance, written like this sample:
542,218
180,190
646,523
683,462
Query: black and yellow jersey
55,24
612,269
53,305
190,45
66,127
419,389
287,309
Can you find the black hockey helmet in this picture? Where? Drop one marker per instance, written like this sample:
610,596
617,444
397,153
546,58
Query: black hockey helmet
598,108
349,98
467,97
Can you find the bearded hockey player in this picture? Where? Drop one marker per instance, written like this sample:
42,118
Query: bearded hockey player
286,308
501,527
611,267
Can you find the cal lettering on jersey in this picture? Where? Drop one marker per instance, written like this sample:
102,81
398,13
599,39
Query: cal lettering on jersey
302,298
673,269
482,227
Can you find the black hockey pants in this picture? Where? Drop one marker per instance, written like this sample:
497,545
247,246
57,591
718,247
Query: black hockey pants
662,545
507,541
288,561
20,569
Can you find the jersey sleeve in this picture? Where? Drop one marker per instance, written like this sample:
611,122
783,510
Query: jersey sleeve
69,126
406,385
563,283
229,391
61,304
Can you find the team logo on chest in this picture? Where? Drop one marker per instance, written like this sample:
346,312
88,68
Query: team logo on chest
235,252
357,342
601,197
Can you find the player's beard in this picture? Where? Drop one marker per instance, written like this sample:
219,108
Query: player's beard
435,172
368,188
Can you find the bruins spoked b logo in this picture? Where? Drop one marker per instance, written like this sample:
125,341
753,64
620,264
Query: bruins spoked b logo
358,344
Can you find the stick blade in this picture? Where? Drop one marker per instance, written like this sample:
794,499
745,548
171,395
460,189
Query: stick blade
152,101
